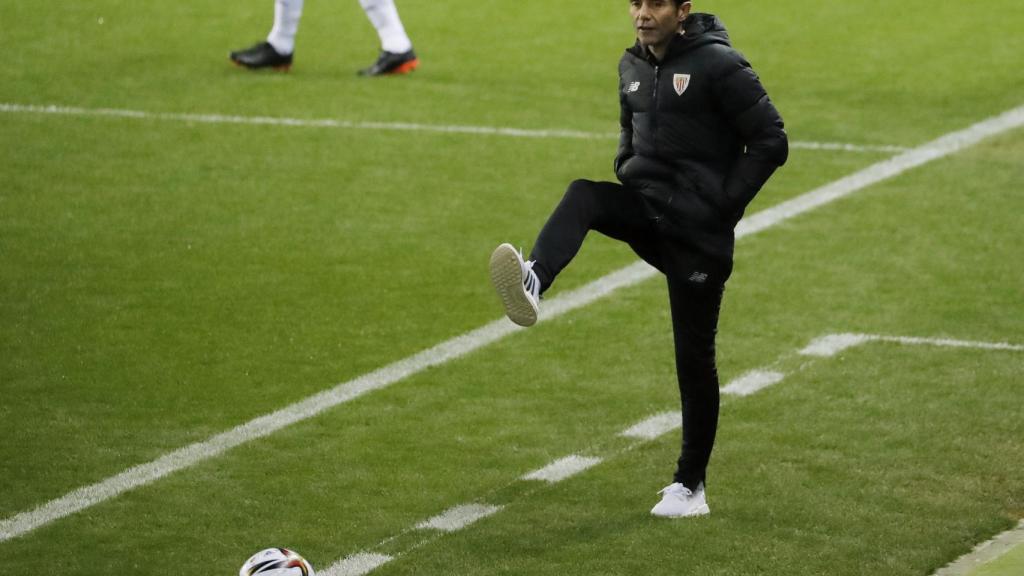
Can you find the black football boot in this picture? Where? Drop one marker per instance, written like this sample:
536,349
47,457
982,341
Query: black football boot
262,55
392,63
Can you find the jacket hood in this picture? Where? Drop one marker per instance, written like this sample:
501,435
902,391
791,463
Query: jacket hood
699,29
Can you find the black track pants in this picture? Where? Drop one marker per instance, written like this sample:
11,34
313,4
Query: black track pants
695,287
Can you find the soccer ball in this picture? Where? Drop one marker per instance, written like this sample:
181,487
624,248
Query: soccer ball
276,562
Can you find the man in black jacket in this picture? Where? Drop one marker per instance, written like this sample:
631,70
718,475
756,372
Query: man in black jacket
699,138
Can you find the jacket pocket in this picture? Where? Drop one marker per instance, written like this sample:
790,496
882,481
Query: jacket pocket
636,168
678,206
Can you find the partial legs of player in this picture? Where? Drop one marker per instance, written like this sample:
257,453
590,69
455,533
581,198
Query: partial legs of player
277,51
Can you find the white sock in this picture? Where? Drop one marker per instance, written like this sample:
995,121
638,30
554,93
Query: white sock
384,16
286,24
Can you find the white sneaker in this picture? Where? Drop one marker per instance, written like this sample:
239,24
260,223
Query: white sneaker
678,501
516,283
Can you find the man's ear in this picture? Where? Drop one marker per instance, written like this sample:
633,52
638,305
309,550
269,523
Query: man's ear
684,10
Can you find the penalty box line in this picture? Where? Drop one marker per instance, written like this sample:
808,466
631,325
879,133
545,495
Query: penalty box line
459,346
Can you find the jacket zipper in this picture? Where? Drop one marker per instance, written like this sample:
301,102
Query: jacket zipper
654,106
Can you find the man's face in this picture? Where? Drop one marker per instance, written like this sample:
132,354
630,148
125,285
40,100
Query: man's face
657,21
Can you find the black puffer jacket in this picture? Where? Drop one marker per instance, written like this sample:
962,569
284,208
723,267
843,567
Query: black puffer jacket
699,134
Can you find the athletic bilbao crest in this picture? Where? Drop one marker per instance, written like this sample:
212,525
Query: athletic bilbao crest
681,82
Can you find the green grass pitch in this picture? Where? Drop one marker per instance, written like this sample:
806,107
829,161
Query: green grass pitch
163,281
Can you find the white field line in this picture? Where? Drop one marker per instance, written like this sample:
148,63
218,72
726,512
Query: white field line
829,345
457,518
949,343
833,344
985,552
844,147
753,381
461,345
654,426
934,150
357,564
563,468
11,108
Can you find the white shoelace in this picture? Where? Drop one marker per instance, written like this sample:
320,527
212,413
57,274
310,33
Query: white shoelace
530,281
681,492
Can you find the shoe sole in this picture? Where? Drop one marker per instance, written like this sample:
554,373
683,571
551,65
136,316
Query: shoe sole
278,67
702,511
507,278
405,67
